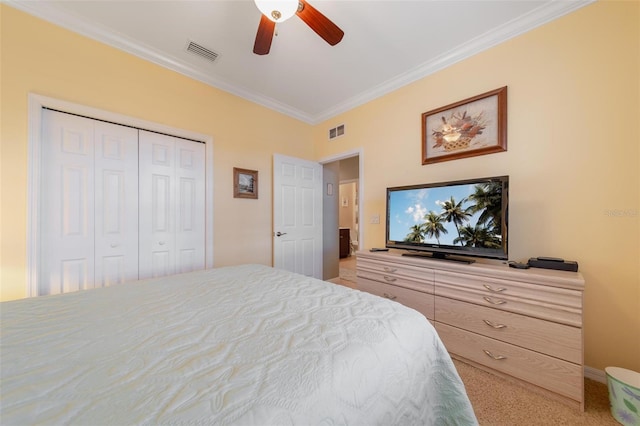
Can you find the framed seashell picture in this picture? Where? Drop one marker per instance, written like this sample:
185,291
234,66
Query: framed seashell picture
474,126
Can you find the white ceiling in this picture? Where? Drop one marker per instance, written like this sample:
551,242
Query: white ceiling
387,44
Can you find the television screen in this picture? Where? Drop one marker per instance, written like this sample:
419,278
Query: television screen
467,218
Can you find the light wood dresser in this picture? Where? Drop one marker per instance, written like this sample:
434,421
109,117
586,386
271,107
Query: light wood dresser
523,325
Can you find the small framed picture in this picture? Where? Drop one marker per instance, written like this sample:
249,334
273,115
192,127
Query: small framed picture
245,183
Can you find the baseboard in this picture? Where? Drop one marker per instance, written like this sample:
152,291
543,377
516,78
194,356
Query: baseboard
595,374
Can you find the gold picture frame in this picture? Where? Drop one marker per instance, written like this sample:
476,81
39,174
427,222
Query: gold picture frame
245,183
474,126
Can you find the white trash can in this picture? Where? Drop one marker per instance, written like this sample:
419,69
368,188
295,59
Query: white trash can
624,395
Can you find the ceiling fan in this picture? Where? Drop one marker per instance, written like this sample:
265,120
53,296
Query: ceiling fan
280,10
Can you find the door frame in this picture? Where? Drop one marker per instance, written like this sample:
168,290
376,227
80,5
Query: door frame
359,152
36,103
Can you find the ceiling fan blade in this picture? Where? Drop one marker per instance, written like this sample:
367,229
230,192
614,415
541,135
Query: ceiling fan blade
320,23
266,28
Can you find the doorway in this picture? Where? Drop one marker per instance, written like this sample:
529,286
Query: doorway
348,220
342,215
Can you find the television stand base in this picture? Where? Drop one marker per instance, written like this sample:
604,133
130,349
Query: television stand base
438,256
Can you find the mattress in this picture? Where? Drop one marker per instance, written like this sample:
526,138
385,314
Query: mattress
242,345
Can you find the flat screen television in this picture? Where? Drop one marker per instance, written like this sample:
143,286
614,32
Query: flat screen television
467,218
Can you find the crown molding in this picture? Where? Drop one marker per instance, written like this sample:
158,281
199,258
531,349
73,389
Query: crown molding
45,11
540,16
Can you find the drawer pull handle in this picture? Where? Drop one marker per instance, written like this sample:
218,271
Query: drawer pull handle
389,296
390,279
387,269
494,325
496,357
495,302
495,290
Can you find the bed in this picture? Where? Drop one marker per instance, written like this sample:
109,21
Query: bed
240,345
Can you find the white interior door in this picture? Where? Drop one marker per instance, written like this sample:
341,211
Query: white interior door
297,215
172,231
89,204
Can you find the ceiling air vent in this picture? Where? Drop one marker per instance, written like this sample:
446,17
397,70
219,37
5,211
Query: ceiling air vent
196,49
336,131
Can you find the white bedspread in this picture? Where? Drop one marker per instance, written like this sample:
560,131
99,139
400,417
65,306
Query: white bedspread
246,345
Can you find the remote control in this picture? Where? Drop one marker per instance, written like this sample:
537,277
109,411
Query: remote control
550,259
379,249
518,265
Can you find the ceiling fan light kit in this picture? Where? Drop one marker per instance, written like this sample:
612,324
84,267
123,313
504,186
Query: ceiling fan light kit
274,11
277,10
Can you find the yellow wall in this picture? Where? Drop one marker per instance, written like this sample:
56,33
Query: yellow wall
573,156
42,58
573,152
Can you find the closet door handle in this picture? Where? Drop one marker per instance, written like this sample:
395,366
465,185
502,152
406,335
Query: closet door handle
495,302
161,243
114,245
494,325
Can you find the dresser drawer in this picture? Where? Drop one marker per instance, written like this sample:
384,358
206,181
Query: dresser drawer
550,303
420,301
558,340
549,373
397,281
397,270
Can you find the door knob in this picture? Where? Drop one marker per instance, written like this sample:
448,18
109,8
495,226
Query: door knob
279,234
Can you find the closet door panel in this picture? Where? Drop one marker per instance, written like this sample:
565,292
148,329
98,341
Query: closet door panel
157,204
172,233
116,231
190,228
67,204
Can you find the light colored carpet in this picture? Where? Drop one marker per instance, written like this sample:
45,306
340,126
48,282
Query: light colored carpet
348,274
498,402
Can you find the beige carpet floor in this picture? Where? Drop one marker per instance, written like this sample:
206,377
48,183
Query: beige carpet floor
498,402
347,275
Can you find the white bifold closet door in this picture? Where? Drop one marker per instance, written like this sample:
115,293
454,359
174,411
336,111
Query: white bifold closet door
117,204
172,234
89,204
